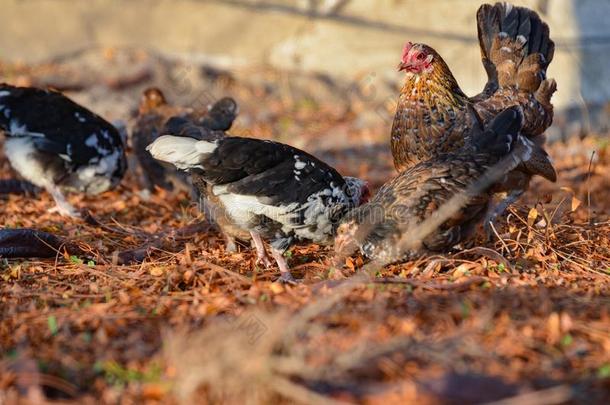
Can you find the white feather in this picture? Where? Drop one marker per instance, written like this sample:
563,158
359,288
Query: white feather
97,175
183,152
15,129
92,141
243,209
19,152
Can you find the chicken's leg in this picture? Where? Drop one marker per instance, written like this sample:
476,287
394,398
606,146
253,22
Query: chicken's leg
285,275
230,245
499,209
62,206
261,253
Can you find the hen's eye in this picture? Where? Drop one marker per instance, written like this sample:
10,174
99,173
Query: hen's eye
420,56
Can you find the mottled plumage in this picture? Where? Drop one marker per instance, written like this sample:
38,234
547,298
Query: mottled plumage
418,192
59,145
435,116
274,191
211,206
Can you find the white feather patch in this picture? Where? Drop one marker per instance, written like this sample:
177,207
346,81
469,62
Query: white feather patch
242,208
97,175
19,152
79,117
183,152
15,129
92,141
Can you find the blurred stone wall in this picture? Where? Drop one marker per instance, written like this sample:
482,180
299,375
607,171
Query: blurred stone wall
348,39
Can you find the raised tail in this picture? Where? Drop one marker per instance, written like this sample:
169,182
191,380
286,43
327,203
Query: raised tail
183,152
515,46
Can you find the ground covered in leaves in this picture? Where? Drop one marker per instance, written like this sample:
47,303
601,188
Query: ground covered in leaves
524,317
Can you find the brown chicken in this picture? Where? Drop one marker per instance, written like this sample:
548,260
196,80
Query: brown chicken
434,115
154,111
378,227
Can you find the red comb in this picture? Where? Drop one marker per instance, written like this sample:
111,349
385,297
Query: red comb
406,50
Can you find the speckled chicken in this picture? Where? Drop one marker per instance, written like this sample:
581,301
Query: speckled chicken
59,145
434,115
153,113
209,203
272,190
418,192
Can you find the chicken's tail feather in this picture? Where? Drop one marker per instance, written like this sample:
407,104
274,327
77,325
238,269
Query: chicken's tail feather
515,46
183,152
502,136
534,158
544,93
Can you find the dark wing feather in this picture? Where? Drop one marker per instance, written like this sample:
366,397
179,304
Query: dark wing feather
63,127
268,169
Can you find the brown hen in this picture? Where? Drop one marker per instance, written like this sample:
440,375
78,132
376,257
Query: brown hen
379,227
434,115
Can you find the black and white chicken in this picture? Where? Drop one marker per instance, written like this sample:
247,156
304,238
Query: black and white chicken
378,227
208,202
274,191
59,145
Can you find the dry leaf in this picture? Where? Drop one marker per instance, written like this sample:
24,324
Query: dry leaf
553,328
575,203
276,288
187,276
123,297
531,216
156,271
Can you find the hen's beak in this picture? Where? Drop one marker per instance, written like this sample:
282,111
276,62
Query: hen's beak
403,66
